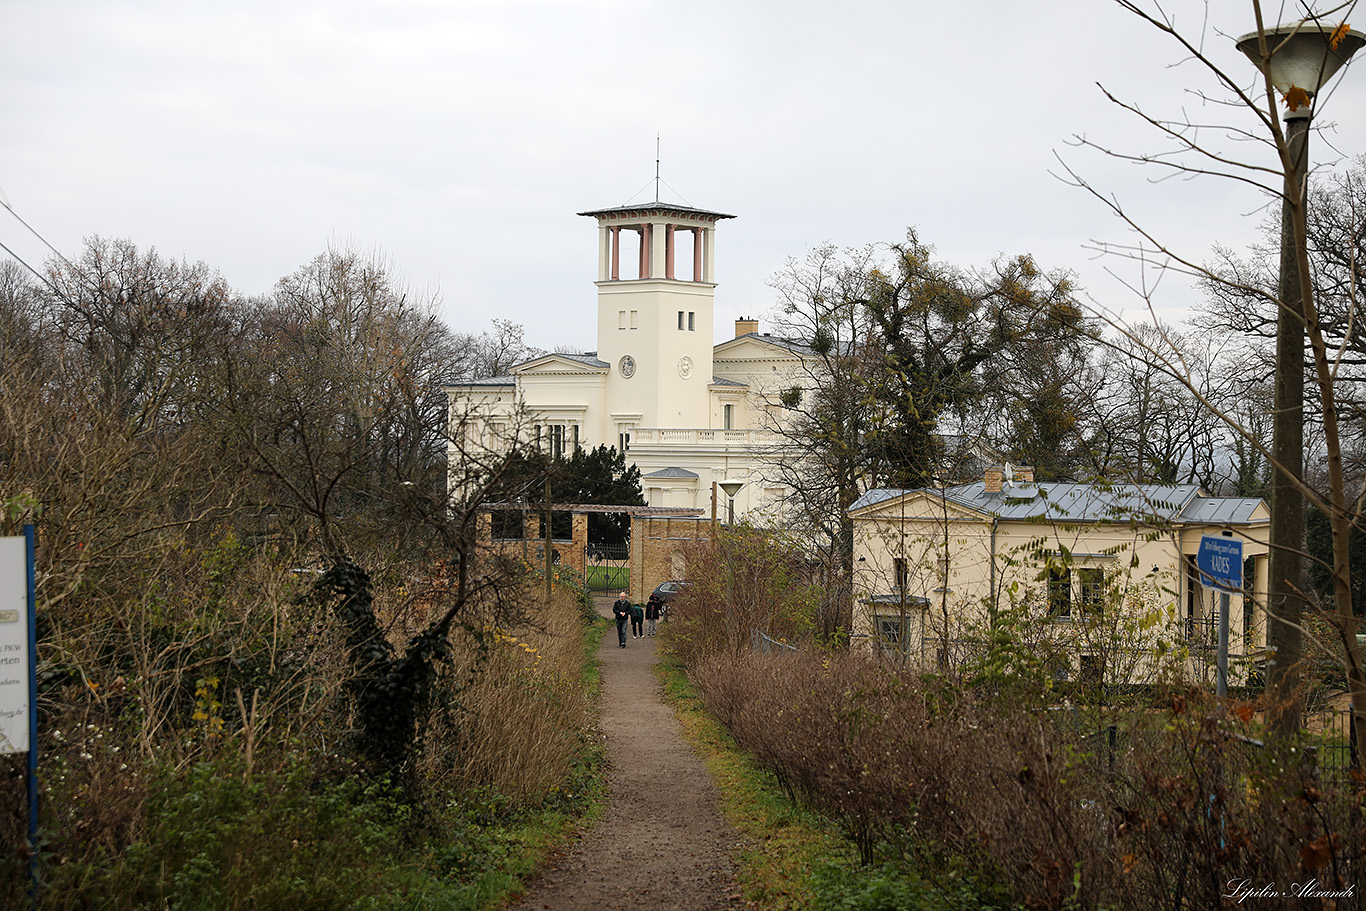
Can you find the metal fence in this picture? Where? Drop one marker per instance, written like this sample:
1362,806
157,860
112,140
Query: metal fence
607,566
1335,752
765,644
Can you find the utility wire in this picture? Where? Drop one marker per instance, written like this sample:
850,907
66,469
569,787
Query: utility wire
34,231
21,261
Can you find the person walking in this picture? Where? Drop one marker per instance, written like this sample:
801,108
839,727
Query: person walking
651,613
637,622
621,611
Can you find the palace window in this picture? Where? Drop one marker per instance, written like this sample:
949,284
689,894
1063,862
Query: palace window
1060,591
902,571
891,636
1092,582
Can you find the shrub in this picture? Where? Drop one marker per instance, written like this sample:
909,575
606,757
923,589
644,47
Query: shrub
1144,807
744,583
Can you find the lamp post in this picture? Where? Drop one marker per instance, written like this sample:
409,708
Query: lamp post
731,488
1297,59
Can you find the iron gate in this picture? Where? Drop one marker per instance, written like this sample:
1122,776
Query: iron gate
608,567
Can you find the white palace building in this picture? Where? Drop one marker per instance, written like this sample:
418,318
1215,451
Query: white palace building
689,413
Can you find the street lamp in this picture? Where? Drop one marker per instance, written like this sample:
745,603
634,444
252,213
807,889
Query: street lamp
1298,59
731,488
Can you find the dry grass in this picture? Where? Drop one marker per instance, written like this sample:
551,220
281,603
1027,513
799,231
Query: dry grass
515,724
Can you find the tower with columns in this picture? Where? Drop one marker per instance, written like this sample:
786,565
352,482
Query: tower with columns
689,413
656,294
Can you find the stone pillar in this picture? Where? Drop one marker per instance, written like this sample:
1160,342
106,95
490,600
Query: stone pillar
615,274
697,254
658,234
645,250
577,558
669,252
636,563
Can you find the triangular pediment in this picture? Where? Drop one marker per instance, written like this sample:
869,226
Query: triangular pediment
560,364
755,347
911,505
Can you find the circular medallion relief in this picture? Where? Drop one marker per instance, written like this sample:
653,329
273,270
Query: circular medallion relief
685,367
627,366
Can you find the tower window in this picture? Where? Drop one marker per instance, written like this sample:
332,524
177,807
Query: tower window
727,417
692,321
634,314
621,319
680,320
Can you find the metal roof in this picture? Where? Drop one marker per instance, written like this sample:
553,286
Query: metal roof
1067,502
653,207
1224,510
531,506
587,360
796,346
671,473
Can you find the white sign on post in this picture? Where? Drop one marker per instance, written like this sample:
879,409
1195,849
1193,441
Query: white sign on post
14,656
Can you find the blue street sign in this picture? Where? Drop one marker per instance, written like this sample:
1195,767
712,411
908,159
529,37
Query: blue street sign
1220,561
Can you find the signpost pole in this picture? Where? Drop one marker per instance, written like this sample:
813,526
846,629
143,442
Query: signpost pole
32,720
1220,561
1223,643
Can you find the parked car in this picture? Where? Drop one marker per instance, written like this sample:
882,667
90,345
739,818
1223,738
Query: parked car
666,591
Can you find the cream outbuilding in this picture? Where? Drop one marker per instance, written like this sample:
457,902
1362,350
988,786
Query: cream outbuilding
687,412
1104,576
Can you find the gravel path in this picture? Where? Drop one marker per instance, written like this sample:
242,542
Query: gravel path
661,841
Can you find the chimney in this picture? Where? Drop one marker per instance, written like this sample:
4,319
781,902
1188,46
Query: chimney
993,479
744,326
1023,474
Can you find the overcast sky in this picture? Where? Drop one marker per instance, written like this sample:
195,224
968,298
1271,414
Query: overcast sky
459,139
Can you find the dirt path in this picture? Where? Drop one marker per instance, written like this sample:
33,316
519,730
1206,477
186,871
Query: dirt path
661,842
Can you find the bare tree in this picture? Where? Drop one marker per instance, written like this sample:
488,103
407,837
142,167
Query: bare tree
1197,148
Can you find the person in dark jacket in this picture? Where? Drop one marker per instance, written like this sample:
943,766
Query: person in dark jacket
621,611
637,622
652,613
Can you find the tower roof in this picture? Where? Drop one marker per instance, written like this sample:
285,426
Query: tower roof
644,210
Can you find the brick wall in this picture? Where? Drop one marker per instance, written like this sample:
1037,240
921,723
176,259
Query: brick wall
572,552
659,546
658,549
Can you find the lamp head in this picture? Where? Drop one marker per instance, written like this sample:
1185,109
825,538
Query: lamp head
731,487
1302,55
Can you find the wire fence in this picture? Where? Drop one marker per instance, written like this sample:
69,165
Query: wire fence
765,644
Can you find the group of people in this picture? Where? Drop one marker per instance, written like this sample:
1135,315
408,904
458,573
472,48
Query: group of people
638,616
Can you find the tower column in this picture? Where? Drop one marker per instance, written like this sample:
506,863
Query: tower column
616,253
604,252
659,234
697,254
669,252
645,250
